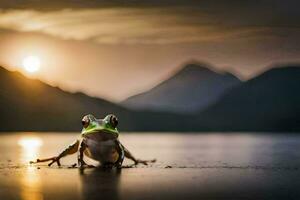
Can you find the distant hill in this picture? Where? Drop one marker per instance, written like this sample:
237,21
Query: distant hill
191,89
28,104
269,102
31,105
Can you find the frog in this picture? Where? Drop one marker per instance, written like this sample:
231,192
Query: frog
99,140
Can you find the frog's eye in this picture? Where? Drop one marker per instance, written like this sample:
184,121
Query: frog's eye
85,122
114,121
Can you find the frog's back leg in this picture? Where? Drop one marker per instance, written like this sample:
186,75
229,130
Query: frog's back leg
136,161
71,149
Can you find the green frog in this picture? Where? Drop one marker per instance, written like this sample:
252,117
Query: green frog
99,141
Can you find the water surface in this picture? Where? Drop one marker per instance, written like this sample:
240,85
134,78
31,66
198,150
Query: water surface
189,166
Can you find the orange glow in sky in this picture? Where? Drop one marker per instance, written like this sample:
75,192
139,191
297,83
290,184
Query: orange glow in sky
117,51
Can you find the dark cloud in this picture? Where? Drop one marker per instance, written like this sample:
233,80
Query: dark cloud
151,21
219,12
245,10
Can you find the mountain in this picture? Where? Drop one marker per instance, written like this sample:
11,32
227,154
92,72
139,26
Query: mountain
269,102
191,89
31,105
28,104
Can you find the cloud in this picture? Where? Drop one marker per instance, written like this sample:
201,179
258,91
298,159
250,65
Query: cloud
121,25
158,22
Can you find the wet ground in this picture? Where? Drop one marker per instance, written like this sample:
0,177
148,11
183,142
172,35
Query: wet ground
189,166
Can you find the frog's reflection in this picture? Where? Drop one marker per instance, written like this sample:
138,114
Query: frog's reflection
99,183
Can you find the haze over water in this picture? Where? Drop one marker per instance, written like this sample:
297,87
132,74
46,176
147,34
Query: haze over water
189,166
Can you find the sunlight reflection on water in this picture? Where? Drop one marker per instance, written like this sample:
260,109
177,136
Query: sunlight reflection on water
31,185
30,147
30,181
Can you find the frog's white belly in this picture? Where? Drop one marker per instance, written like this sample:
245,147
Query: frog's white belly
103,151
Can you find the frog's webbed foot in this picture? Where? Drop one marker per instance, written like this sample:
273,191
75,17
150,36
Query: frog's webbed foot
55,160
144,162
52,159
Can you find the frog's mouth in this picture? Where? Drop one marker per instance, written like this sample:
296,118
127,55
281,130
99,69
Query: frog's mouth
101,129
102,135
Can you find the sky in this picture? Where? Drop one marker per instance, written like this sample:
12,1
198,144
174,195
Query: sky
116,48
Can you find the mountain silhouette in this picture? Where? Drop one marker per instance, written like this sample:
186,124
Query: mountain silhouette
193,88
28,104
31,105
269,102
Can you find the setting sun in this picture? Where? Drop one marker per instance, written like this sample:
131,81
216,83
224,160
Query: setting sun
31,64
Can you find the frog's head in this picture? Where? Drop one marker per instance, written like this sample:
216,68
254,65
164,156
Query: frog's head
92,125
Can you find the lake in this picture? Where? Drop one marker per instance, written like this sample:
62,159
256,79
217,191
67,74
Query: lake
189,166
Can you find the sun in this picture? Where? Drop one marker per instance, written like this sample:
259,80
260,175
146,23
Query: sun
31,64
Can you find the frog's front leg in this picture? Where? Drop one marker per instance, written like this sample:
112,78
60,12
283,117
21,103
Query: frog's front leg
121,152
136,161
82,148
71,149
